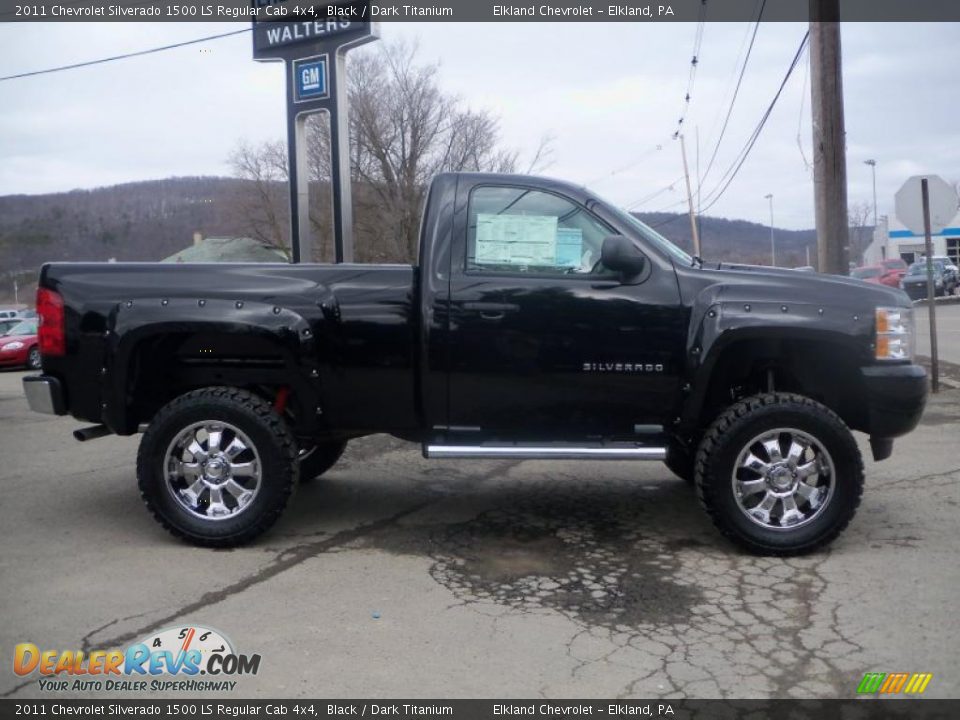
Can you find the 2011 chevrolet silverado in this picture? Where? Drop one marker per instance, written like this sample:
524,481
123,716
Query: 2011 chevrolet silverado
539,322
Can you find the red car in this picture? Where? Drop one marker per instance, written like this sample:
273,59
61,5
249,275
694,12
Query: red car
897,267
19,347
886,273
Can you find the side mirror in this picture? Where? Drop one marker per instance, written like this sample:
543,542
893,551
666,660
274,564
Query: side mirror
619,254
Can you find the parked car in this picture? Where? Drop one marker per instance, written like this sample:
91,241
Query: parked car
538,322
7,323
896,267
879,274
868,273
951,266
945,279
20,346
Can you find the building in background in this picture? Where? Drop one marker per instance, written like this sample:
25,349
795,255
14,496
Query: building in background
208,250
891,240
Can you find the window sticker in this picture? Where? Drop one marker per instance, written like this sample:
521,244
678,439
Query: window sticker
516,239
569,247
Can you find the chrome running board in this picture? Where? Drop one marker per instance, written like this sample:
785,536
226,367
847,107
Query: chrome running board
548,452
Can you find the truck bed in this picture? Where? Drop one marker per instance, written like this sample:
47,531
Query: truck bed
345,331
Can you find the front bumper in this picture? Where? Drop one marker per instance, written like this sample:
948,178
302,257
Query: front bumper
44,394
918,291
895,398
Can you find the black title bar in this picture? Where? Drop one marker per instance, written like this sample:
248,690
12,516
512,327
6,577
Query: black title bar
475,10
431,709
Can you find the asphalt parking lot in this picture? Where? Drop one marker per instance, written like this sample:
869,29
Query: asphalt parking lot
398,577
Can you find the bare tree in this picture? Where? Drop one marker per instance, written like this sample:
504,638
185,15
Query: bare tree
404,130
263,205
861,234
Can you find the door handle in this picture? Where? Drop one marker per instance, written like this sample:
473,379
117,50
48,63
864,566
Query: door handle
490,306
490,310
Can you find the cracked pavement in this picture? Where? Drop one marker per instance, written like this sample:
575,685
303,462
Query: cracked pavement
394,576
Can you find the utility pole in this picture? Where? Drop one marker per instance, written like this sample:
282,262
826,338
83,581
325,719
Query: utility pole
829,138
773,245
693,217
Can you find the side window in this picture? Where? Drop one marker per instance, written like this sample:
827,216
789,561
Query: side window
514,229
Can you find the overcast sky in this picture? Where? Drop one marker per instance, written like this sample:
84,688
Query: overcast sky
609,94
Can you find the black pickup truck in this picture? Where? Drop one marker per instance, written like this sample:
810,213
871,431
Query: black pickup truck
540,322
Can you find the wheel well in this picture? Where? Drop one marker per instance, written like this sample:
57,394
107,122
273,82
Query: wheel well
168,365
821,370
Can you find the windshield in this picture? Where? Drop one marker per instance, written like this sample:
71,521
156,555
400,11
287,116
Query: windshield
26,327
648,233
920,268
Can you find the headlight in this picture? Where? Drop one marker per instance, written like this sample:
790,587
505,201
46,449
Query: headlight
894,330
16,345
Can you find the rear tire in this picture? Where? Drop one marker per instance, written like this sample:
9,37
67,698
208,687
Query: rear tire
765,494
216,466
317,460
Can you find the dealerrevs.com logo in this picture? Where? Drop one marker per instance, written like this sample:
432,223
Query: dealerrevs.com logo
173,659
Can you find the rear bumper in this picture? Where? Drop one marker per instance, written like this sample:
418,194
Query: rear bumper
895,398
44,394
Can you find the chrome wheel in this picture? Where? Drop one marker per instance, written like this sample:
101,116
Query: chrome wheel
213,470
783,479
33,359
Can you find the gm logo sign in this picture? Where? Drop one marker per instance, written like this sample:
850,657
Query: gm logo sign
310,79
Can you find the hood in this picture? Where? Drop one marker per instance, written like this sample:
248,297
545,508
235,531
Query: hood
922,277
753,283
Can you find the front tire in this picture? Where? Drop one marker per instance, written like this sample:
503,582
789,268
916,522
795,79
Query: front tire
779,474
33,359
315,461
217,466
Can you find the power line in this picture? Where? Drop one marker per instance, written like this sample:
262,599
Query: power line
694,64
125,56
636,161
803,97
731,173
647,198
733,100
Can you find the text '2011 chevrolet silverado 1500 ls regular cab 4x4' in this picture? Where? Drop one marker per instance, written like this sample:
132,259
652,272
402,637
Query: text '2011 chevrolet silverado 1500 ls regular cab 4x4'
540,322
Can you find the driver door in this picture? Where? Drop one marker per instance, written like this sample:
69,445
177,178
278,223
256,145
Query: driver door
545,343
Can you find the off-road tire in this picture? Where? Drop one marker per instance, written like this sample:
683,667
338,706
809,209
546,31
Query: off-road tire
266,430
321,458
728,435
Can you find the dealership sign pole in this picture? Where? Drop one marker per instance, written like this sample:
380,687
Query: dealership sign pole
312,41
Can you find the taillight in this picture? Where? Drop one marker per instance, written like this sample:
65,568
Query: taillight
51,330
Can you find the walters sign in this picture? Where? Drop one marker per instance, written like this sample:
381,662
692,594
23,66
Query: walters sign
282,27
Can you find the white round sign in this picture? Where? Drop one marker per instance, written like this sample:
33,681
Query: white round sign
943,204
